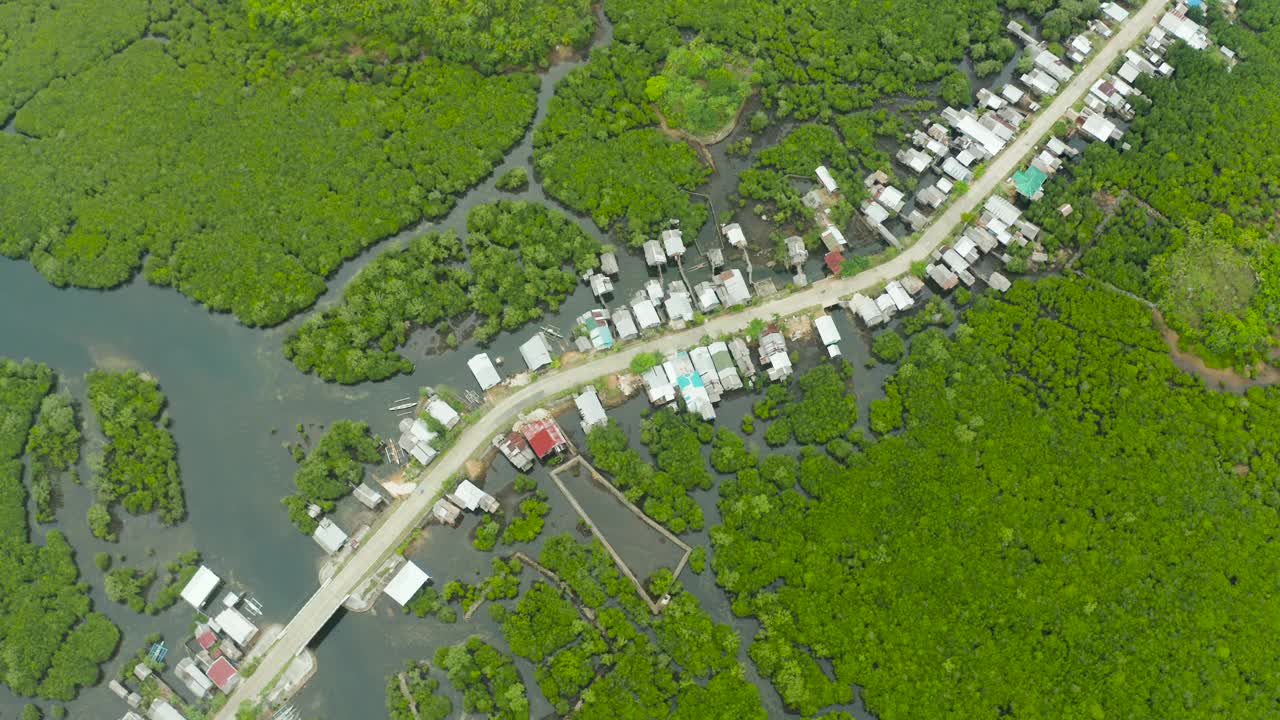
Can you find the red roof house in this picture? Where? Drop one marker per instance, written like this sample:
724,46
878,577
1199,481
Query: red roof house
206,639
834,260
223,674
545,437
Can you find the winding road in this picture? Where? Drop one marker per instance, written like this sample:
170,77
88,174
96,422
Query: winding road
410,513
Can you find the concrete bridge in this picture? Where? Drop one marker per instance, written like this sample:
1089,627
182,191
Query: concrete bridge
411,512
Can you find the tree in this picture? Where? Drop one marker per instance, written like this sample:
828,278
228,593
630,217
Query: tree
889,346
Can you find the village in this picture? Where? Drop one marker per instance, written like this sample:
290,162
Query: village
695,378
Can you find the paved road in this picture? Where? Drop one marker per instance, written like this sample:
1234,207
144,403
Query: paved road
409,513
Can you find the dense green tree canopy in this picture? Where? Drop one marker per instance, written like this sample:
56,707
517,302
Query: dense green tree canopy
138,468
243,174
493,34
51,643
331,470
1066,526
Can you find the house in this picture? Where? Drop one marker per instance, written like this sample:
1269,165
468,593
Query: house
469,497
1012,93
892,198
967,249
952,167
866,309
833,238
201,586
985,241
915,160
205,637
917,219
797,253
886,305
623,324
742,358
1030,182
189,673
706,367
482,368
609,264
824,177
446,512
773,354
162,710
828,334
131,715
1098,127
943,278
367,496
653,254
646,314
954,261
1114,12
673,243
1052,64
1079,48
1040,82
1185,29
726,370
658,386
733,233
442,412
834,261
1002,209
966,123
705,293
596,323
902,299
329,537
407,582
990,100
590,409
600,284
999,282
679,310
931,196
223,674
536,352
236,626
876,215
1059,148
416,438
732,288
697,400
545,437
653,289
515,449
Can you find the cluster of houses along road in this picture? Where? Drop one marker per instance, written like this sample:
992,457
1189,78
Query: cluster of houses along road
223,635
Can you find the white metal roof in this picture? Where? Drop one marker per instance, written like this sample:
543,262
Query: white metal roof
1114,12
952,167
536,352
589,407
482,367
1098,127
1002,209
673,242
678,308
162,710
989,141
901,298
329,536
827,331
733,233
1012,93
200,587
442,412
824,176
236,626
469,495
406,583
646,314
875,213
